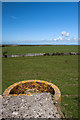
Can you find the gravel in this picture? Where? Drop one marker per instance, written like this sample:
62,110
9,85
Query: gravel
35,106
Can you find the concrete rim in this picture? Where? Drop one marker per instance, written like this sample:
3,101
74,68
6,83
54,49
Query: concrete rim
57,94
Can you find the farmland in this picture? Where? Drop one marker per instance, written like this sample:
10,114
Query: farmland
39,49
60,70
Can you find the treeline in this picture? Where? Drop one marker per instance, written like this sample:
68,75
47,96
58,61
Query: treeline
22,45
30,45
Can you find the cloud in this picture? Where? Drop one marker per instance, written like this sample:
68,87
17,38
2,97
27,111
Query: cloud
55,39
68,39
65,34
59,38
13,17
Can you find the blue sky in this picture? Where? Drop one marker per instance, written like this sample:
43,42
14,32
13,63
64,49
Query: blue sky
40,23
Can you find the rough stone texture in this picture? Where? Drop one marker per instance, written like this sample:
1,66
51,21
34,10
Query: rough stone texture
40,54
35,106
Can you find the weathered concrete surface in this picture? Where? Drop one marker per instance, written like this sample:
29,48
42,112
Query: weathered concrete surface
35,106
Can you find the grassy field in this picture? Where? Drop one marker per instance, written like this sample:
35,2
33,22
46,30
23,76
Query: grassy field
39,49
60,70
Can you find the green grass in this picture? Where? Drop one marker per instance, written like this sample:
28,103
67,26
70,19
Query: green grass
60,70
70,106
39,49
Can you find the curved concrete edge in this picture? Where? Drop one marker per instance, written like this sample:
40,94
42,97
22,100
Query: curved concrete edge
57,95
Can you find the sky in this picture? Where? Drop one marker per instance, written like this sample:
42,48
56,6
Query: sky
40,0
40,23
